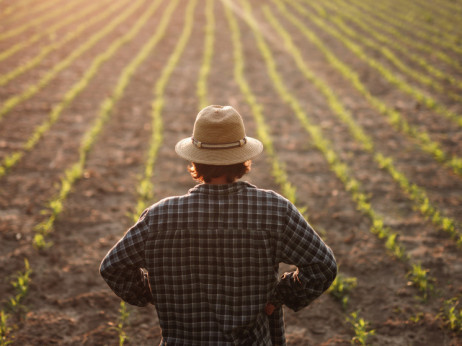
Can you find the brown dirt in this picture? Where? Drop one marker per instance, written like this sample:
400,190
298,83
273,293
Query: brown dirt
69,304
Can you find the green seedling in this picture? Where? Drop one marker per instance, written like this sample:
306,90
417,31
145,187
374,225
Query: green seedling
21,285
40,243
341,287
452,314
419,278
360,329
124,314
5,330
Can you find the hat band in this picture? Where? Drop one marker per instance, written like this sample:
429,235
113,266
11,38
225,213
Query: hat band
201,145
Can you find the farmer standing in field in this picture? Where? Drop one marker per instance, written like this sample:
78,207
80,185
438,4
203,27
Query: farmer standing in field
209,260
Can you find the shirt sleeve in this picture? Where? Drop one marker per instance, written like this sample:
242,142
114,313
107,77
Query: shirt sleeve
122,267
301,246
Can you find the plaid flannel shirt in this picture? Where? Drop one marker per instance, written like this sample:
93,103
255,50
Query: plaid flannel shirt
209,260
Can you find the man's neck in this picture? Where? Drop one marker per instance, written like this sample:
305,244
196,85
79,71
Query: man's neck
219,181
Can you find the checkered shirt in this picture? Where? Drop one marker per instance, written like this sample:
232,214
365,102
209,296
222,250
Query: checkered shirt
208,261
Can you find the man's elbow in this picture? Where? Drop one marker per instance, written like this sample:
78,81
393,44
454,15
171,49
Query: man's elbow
331,271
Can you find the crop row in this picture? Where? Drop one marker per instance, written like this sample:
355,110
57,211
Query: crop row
13,158
418,95
50,31
57,11
263,132
146,187
46,50
208,53
416,193
441,40
23,8
76,170
389,55
433,19
30,91
393,115
15,305
408,40
418,275
373,27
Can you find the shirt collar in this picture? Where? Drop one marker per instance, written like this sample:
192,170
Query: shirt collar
221,189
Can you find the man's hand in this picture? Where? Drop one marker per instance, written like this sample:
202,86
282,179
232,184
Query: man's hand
269,309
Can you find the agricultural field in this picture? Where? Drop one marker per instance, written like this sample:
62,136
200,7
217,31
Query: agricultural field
358,104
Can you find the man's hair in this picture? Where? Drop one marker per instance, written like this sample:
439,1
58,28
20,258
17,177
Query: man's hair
205,173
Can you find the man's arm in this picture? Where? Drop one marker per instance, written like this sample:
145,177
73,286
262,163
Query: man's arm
121,267
300,245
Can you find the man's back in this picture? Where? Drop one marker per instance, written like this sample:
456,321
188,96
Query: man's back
212,258
213,255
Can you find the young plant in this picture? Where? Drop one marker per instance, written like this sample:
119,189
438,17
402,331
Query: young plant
5,330
341,287
124,314
419,278
40,243
452,315
360,329
21,285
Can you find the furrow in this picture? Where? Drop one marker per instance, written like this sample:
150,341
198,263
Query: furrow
145,186
208,54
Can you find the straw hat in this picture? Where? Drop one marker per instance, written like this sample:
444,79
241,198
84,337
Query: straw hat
218,138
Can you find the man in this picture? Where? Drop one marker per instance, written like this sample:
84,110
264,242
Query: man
209,260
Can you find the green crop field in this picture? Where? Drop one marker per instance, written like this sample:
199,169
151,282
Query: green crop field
358,104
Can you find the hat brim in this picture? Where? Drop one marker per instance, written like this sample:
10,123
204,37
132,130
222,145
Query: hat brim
187,150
